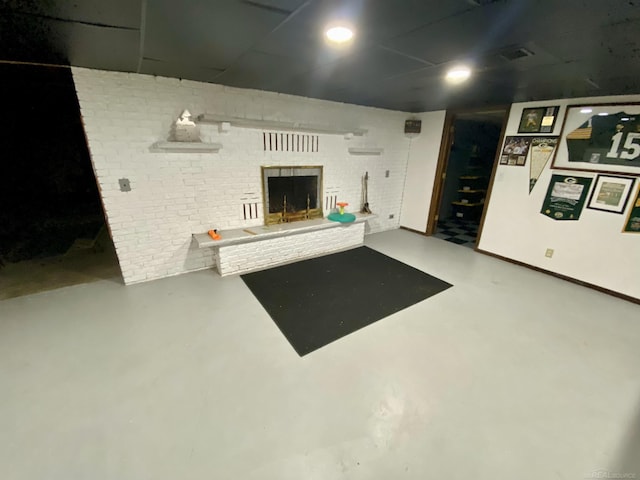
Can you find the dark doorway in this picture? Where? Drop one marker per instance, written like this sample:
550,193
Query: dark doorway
52,226
465,174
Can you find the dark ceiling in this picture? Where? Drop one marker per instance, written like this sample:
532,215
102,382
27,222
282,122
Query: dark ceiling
521,49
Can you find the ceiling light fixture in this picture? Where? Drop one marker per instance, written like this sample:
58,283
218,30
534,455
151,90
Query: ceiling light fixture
339,34
586,110
458,74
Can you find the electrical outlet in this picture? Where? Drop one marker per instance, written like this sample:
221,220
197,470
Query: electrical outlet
391,215
549,253
386,174
125,186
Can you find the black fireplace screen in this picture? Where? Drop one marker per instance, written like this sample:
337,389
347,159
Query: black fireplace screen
297,193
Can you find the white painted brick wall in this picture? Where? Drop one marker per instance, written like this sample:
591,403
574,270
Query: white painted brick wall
176,194
247,257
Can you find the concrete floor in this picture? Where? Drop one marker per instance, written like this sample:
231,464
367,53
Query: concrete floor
73,268
509,374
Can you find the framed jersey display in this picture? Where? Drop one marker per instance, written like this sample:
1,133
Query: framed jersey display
600,138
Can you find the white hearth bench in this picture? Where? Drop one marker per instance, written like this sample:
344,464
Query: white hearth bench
256,248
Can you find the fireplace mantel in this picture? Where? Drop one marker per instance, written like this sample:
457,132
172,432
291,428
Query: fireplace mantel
255,248
262,232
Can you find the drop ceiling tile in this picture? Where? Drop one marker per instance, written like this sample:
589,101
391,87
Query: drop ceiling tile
283,5
547,17
622,84
503,24
179,70
302,44
463,36
598,43
103,48
208,33
261,71
371,65
373,21
93,47
26,39
310,84
580,47
120,13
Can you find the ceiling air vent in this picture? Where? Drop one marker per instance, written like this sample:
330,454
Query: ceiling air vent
515,54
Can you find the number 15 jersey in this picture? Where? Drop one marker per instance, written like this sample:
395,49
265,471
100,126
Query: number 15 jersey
606,139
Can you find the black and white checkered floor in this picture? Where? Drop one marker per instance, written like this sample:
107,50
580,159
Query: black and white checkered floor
457,231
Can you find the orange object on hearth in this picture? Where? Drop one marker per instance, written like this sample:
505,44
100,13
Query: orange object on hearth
214,234
342,205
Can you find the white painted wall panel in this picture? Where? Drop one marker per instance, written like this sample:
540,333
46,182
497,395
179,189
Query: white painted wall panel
592,249
176,194
421,169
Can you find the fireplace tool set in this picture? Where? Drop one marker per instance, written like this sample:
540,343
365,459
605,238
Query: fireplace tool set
365,194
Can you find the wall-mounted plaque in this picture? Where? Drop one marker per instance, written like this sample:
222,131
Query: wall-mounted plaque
632,225
565,197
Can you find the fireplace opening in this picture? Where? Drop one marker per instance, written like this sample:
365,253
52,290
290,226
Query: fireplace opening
292,193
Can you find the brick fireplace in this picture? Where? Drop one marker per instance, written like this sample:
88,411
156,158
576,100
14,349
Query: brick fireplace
175,194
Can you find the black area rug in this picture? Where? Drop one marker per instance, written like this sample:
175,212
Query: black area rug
317,301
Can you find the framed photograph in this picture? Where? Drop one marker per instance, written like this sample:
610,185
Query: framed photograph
611,193
538,120
632,224
600,138
515,151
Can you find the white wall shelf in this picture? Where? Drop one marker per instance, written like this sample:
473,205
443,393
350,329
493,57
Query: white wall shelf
366,150
280,125
186,147
265,232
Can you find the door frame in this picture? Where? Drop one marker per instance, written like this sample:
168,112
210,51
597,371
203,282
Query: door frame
443,161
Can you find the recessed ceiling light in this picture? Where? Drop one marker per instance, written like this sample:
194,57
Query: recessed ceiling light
458,74
586,110
339,34
603,114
